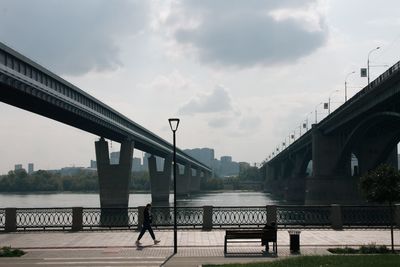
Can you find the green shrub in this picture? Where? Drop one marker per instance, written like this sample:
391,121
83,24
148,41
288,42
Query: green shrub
345,250
10,252
364,249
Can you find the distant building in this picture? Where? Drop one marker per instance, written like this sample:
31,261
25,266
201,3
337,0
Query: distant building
221,168
204,155
17,167
228,167
30,168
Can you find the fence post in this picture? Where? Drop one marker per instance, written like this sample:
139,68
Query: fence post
11,220
140,217
336,217
207,218
397,215
77,218
271,214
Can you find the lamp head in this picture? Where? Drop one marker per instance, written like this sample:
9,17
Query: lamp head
173,123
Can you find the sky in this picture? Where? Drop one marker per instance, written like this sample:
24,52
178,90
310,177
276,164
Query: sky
242,75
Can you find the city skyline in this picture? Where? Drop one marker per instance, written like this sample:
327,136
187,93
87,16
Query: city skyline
219,167
244,94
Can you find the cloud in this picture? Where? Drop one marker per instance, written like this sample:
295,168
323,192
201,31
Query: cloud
250,122
248,33
71,37
218,100
220,122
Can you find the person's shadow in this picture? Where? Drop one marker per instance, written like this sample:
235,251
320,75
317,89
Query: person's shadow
141,247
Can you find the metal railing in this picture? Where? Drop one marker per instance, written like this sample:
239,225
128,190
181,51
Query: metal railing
227,217
304,216
44,218
366,216
286,217
2,218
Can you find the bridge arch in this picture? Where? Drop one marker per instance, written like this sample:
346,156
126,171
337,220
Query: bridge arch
361,130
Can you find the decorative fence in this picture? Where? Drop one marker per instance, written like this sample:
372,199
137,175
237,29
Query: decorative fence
207,217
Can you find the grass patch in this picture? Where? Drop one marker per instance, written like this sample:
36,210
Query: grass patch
364,249
11,252
326,261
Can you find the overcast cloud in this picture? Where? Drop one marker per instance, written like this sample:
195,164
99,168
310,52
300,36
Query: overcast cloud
249,33
155,59
218,100
70,38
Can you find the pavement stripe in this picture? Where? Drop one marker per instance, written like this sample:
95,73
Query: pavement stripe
103,258
134,263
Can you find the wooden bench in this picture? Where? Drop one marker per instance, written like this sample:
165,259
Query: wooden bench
265,235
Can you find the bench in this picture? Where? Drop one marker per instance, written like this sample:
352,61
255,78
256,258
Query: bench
265,235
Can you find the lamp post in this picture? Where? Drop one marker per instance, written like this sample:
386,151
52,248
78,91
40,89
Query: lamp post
368,61
345,85
329,101
316,112
174,123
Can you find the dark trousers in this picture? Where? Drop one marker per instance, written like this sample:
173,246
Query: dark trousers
144,228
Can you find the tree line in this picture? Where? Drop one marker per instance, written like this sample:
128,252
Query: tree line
44,181
84,181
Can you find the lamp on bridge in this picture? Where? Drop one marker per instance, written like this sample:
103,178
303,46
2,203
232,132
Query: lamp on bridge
329,101
345,85
368,61
174,123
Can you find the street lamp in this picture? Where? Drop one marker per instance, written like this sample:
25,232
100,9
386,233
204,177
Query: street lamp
174,123
368,61
329,101
316,112
345,85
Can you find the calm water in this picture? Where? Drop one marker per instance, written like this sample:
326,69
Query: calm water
93,200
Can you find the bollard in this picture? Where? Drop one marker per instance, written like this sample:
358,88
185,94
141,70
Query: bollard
336,217
207,218
77,218
11,220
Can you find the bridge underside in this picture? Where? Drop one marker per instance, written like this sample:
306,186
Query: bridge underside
337,162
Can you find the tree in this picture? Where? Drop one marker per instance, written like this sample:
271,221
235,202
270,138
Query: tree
382,185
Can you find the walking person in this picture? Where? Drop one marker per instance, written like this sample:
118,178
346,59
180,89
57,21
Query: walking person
147,220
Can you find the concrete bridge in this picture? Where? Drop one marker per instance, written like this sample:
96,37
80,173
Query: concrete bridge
366,128
27,85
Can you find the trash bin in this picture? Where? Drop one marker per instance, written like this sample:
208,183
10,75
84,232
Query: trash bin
294,241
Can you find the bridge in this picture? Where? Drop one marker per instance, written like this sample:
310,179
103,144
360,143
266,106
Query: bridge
29,86
365,128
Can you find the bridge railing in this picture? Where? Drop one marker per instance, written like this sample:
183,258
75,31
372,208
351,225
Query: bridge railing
207,217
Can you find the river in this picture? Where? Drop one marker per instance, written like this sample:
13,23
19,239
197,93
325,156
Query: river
50,200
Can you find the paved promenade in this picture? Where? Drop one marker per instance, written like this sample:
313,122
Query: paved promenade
117,248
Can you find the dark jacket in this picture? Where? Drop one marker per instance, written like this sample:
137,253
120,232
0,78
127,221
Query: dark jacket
147,217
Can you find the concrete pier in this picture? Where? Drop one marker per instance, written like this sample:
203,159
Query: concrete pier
114,179
160,180
183,181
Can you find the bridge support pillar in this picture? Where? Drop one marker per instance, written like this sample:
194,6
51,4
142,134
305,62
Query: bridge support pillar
329,184
295,189
160,181
295,184
114,182
183,181
195,182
